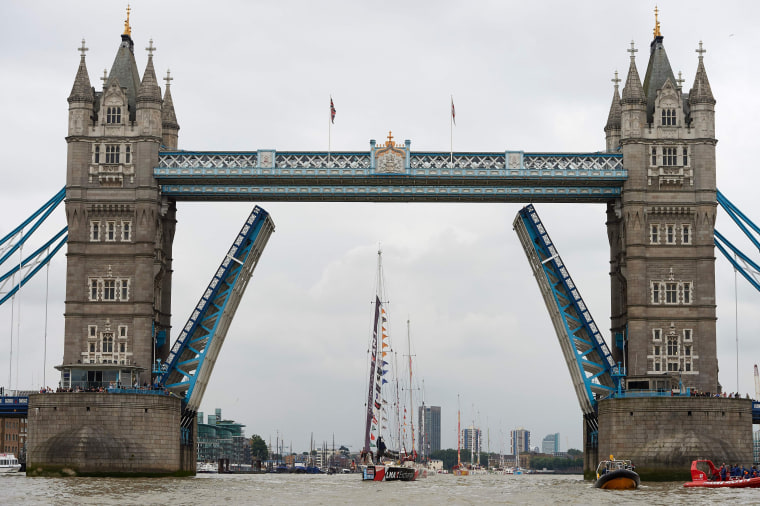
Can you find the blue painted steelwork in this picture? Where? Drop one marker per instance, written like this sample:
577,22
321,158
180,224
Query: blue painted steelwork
592,368
14,406
750,269
191,360
32,264
45,211
511,176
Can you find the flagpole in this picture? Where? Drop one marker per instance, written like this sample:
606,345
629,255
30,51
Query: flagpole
329,131
451,133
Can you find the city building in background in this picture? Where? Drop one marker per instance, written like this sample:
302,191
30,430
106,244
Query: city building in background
519,441
471,438
429,424
550,444
222,439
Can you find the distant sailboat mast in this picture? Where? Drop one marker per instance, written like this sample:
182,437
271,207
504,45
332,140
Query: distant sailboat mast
411,404
459,435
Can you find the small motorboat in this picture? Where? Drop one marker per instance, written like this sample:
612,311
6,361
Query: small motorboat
705,474
616,474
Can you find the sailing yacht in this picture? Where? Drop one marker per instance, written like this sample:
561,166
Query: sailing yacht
372,457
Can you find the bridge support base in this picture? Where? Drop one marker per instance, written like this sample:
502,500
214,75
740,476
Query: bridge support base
662,435
101,434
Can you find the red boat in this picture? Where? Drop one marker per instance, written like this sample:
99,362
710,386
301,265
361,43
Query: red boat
702,470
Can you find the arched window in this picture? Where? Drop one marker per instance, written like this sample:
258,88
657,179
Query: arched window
672,346
107,343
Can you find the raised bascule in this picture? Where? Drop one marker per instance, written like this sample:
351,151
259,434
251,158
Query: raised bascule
125,174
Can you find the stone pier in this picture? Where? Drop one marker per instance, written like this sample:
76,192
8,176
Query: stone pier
100,434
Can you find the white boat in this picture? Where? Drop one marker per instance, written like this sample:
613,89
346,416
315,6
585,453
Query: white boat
9,463
206,467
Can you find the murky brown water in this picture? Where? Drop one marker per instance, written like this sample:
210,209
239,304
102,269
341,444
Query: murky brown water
349,489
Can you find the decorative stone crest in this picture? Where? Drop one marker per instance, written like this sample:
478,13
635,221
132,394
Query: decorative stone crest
389,159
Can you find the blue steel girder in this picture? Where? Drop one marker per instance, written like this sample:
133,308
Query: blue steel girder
587,356
748,268
193,355
268,175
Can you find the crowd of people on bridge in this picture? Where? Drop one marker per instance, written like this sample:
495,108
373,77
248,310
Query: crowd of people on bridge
732,395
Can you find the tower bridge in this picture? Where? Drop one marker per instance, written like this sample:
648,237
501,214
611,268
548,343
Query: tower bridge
125,173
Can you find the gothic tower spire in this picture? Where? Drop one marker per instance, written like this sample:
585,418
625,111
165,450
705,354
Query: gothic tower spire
612,128
169,124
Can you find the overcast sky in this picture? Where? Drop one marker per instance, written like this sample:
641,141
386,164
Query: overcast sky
532,76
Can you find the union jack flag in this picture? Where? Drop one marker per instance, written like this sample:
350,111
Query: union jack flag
453,112
332,111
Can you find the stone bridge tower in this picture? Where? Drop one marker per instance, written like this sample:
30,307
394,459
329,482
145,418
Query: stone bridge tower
118,284
662,263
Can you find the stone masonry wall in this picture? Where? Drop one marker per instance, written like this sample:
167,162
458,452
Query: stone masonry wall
662,435
104,434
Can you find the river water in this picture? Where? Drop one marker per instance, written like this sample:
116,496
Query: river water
287,489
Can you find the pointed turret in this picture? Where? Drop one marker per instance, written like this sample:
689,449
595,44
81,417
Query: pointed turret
701,100
701,93
149,90
170,127
633,92
633,103
81,99
82,90
149,99
612,128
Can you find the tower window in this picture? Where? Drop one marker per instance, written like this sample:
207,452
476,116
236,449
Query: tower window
112,153
685,156
94,231
107,343
654,233
92,330
656,334
656,293
687,293
126,231
686,233
110,231
128,154
654,156
124,289
97,153
122,331
109,289
687,334
668,117
671,293
669,157
657,351
113,115
670,234
673,347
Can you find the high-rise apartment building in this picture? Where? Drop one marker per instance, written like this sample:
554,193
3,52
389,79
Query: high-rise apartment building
429,429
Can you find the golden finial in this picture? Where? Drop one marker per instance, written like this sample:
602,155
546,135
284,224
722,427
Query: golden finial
127,28
656,23
390,142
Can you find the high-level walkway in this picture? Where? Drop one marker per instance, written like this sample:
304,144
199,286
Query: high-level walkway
390,173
